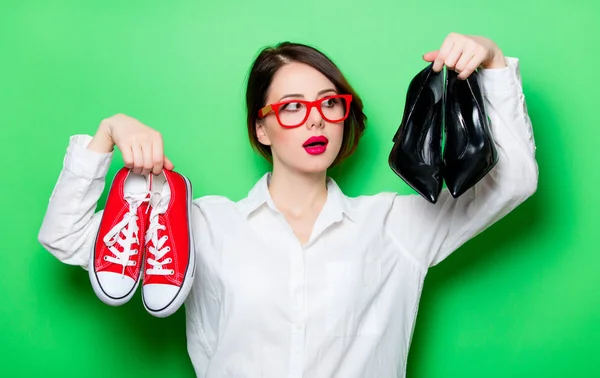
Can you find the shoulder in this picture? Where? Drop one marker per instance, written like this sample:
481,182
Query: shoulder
369,200
220,207
382,203
211,200
384,198
370,206
212,203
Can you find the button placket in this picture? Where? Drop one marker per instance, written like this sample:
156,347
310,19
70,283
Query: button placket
297,285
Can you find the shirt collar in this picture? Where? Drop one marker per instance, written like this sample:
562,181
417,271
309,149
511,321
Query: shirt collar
336,205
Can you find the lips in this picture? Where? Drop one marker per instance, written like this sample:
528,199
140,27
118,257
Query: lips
316,141
316,145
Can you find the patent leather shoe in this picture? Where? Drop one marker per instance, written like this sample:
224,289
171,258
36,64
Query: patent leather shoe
469,151
416,156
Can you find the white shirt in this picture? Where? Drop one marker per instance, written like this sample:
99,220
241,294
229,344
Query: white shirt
342,305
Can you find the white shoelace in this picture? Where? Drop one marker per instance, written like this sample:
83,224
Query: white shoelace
129,228
157,248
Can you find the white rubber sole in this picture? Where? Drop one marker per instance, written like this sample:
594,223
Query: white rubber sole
104,297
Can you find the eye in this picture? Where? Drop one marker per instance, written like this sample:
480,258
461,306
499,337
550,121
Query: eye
292,106
330,102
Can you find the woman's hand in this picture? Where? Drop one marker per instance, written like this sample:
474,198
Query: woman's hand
140,145
465,53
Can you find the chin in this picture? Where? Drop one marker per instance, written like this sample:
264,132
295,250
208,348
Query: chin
314,169
305,163
316,164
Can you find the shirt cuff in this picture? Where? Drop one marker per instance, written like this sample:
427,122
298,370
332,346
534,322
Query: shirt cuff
502,80
83,162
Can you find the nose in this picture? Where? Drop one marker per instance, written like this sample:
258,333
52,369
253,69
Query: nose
314,118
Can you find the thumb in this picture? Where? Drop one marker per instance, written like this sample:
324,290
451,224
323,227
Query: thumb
168,165
430,56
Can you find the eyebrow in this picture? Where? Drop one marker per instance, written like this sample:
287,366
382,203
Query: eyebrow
300,95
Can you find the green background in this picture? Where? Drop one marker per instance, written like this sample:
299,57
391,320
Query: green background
520,300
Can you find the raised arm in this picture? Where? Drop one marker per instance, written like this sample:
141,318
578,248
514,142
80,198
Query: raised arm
430,232
71,222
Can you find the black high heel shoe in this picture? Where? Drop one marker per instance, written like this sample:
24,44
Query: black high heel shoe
470,152
416,156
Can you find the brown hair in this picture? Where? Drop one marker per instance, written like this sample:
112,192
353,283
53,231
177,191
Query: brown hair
264,68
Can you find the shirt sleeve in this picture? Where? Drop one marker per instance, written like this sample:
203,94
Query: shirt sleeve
431,232
70,224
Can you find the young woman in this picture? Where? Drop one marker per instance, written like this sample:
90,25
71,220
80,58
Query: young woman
297,279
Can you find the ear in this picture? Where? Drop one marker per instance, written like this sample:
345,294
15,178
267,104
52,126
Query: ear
261,133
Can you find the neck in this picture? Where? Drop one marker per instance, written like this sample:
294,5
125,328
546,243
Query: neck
298,193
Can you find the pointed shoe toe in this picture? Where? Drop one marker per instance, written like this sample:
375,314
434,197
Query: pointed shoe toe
463,179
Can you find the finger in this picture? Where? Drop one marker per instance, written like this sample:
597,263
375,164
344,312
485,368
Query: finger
168,165
438,64
138,158
157,157
127,157
430,56
466,56
147,156
453,56
469,68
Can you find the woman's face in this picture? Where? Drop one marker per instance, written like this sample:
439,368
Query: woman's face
289,145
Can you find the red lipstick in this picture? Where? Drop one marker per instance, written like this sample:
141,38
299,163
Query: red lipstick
316,145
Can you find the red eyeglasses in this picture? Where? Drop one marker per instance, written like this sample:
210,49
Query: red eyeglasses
293,113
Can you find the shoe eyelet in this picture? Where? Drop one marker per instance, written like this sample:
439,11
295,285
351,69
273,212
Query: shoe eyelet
105,258
168,249
134,263
169,260
171,272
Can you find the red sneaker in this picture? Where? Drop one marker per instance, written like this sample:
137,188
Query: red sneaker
169,260
114,266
